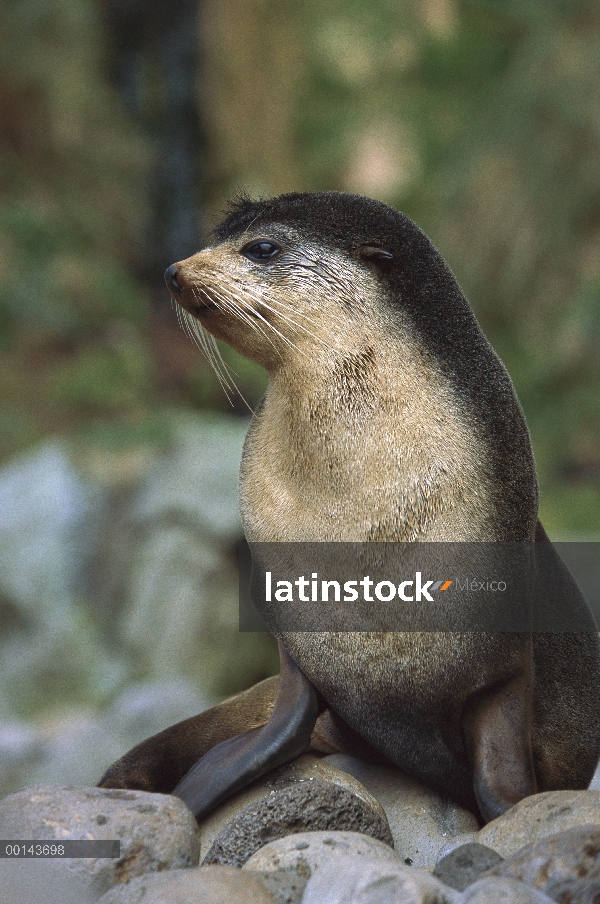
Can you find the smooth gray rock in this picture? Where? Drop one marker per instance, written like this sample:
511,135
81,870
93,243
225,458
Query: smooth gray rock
595,782
303,807
286,886
145,708
422,822
21,747
576,891
565,866
205,885
26,881
540,815
299,856
465,864
503,891
349,880
43,503
157,832
306,768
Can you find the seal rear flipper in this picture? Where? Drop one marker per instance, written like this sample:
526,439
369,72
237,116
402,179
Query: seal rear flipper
236,762
498,734
159,762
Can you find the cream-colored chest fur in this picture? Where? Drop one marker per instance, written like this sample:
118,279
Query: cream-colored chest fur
367,444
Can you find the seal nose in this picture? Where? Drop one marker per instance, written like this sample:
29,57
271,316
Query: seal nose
171,279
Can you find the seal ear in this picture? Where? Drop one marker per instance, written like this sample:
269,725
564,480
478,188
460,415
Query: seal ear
373,254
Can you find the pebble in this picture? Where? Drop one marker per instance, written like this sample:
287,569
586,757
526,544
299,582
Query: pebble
560,865
503,891
465,864
550,842
291,861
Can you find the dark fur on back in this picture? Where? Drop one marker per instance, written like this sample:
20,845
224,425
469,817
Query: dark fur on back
420,282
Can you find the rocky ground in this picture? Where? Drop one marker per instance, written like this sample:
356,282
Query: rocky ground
318,831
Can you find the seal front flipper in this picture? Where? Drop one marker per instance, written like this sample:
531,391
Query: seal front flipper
498,734
236,762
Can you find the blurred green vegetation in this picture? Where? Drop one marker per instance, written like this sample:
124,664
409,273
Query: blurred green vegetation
478,118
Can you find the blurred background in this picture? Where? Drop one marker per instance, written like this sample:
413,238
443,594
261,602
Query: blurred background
124,128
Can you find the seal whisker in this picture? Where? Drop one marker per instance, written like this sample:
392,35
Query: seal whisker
260,299
273,328
251,321
219,359
196,332
293,322
250,292
234,300
208,345
232,303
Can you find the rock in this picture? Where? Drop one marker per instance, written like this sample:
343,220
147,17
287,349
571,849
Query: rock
456,842
344,880
305,768
118,561
559,865
77,749
43,882
503,891
540,815
575,891
285,885
293,860
309,767
157,832
422,822
463,865
199,478
303,807
43,503
205,885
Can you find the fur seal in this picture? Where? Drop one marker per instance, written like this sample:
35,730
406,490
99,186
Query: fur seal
387,416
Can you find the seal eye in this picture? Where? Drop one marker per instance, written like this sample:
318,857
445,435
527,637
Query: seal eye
261,251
